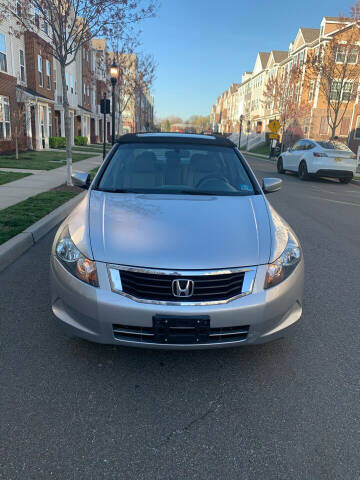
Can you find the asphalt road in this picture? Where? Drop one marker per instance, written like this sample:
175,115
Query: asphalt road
287,410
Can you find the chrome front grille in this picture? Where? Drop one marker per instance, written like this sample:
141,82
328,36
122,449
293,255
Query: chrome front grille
204,287
147,334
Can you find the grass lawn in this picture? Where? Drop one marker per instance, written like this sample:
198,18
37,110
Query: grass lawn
86,149
40,160
20,216
262,149
93,172
7,177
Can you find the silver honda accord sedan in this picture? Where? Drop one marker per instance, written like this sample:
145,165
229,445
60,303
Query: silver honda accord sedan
176,246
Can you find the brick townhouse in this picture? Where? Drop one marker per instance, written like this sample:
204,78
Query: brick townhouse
249,99
30,78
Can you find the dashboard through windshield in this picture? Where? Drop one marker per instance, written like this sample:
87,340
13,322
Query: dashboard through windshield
177,169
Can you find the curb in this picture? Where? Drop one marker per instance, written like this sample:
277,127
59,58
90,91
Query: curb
16,246
260,155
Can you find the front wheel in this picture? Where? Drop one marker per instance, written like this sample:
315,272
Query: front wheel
303,171
280,166
345,180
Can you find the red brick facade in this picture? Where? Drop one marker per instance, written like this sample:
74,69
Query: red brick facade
8,89
34,47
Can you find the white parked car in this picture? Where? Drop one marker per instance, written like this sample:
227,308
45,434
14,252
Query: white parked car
323,159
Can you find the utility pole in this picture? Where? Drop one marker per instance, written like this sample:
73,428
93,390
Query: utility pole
104,110
240,128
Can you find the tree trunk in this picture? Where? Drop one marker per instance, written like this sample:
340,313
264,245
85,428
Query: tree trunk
16,147
67,121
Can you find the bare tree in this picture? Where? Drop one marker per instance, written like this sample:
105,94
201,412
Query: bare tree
71,25
136,73
282,97
19,120
335,69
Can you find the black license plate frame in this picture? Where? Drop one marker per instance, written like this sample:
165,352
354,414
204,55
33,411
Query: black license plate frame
181,330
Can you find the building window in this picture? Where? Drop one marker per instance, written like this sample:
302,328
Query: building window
335,91
40,71
22,65
353,55
311,91
67,81
357,129
71,84
341,54
50,122
84,89
5,130
3,62
347,91
48,75
55,84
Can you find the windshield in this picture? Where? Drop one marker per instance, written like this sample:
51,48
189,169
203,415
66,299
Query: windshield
334,146
178,169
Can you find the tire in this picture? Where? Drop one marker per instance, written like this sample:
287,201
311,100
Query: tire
280,165
303,171
345,180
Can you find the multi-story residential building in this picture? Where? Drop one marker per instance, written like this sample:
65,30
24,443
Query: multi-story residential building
252,101
26,82
30,81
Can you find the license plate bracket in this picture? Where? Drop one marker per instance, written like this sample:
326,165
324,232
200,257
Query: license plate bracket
181,330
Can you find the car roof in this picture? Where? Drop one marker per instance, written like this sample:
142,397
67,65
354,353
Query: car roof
176,138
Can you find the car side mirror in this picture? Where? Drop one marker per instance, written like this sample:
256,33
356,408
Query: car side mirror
270,185
81,179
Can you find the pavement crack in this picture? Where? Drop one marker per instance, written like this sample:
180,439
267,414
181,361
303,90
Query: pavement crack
214,405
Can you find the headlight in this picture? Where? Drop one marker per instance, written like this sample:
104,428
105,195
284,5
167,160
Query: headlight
74,261
284,265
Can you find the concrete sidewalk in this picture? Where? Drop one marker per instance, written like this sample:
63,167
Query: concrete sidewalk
41,181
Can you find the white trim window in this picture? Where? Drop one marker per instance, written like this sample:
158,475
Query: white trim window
347,91
341,54
3,59
5,130
40,71
311,90
48,75
353,55
335,92
340,92
347,54
55,82
357,129
22,65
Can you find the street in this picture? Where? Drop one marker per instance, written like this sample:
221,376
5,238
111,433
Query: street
70,409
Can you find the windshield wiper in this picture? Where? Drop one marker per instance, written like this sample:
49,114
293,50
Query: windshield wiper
115,190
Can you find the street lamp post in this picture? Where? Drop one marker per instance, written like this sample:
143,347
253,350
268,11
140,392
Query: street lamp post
114,73
240,128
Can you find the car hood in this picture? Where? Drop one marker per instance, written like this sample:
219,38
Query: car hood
179,231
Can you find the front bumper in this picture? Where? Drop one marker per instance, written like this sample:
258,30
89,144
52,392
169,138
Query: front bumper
91,313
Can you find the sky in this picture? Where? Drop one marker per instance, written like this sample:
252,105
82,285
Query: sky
203,46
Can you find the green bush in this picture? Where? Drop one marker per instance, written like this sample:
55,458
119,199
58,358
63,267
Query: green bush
80,141
57,142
